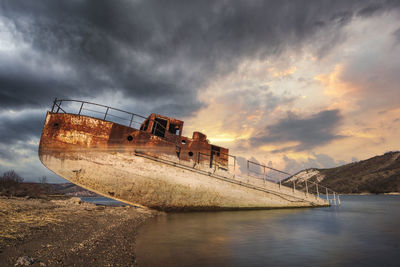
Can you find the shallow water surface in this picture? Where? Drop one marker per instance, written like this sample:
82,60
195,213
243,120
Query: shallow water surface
103,201
364,230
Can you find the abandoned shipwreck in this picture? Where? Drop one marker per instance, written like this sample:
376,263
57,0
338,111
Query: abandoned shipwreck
147,162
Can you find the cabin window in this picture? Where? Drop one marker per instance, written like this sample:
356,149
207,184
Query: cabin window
145,125
159,127
190,154
130,138
173,128
183,142
215,151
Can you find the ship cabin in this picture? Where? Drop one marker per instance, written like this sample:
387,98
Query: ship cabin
197,149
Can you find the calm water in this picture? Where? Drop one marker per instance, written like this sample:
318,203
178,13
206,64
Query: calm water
103,201
365,230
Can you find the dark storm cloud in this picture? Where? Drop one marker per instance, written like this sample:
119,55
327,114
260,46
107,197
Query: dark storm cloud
4,154
310,132
153,50
20,128
159,53
370,10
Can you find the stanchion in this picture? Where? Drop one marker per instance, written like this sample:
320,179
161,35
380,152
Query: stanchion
334,199
327,195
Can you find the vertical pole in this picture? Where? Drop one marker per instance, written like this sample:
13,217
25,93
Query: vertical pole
105,115
54,103
248,171
130,123
280,184
81,108
327,195
234,163
338,198
264,177
294,186
58,109
316,185
334,198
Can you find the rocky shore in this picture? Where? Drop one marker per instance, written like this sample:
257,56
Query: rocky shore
40,232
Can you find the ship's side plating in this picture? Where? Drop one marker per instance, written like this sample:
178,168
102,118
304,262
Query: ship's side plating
142,168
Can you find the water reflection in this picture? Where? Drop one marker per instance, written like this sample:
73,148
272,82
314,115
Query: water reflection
363,231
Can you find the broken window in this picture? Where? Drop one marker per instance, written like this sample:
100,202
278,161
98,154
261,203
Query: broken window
145,125
215,150
174,129
159,127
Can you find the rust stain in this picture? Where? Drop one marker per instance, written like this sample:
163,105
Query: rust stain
157,135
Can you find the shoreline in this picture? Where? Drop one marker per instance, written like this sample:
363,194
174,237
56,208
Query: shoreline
68,232
71,232
369,194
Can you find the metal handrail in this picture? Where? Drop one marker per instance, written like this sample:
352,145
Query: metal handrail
335,201
58,102
95,104
256,163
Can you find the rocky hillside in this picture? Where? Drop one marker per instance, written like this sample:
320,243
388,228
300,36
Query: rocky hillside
380,174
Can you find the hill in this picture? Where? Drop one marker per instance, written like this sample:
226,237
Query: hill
379,174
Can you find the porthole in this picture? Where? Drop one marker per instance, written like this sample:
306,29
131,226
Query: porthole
183,142
130,138
55,125
190,154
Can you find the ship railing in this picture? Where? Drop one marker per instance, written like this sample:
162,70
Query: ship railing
227,163
308,187
104,112
265,173
318,190
99,111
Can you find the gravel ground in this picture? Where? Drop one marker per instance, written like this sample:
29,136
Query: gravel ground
39,232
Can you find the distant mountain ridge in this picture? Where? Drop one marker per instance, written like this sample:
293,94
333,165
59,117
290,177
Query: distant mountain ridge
379,174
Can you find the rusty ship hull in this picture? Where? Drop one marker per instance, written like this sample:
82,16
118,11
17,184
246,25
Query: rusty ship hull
143,169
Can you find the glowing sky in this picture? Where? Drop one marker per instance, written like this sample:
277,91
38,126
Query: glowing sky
295,84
